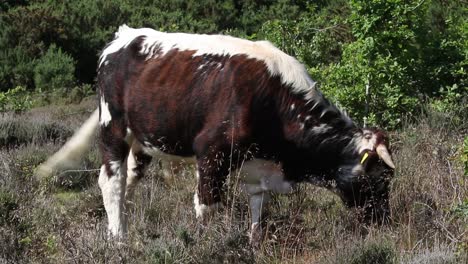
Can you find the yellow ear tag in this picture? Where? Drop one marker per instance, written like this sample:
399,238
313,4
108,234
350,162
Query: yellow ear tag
364,157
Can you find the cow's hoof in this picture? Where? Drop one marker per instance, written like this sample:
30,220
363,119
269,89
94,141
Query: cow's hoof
203,212
256,236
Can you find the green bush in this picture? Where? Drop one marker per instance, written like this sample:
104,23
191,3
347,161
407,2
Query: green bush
396,55
315,36
16,68
26,31
17,99
54,70
453,101
390,96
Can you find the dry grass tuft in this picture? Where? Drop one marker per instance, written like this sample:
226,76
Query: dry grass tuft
429,186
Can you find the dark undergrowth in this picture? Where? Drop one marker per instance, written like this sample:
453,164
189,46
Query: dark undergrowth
62,219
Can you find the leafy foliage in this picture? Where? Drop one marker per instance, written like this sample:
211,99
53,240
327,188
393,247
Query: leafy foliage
16,99
54,70
392,57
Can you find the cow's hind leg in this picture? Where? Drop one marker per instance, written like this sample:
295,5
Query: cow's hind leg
112,183
137,162
113,176
262,177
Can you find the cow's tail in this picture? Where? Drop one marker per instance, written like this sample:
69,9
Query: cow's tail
75,148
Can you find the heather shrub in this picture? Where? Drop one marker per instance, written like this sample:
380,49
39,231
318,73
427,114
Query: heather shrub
17,129
376,252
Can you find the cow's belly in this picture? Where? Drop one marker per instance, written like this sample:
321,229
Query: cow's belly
159,154
256,175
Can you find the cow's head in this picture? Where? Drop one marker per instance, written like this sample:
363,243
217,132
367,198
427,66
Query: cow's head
364,179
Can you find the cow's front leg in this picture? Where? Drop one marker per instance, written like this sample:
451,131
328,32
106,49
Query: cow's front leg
207,198
211,178
256,202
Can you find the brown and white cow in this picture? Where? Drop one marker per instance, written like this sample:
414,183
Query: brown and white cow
231,104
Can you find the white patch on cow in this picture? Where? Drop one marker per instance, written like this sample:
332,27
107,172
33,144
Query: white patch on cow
293,106
113,192
115,166
316,97
201,67
315,105
301,126
323,128
105,116
365,141
199,208
292,72
255,234
357,169
323,113
260,175
202,210
307,118
132,164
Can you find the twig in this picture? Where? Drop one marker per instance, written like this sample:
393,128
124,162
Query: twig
326,28
448,234
63,172
74,256
5,164
414,8
77,112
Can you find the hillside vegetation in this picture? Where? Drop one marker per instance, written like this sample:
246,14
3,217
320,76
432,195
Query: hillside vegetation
405,51
410,54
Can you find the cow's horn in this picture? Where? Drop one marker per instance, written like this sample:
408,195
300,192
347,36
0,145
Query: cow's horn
383,153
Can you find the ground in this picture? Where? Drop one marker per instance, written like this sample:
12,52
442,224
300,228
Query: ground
62,219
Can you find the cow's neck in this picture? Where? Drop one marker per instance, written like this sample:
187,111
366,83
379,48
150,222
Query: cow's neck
317,129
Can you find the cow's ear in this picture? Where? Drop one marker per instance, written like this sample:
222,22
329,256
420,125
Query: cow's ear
384,154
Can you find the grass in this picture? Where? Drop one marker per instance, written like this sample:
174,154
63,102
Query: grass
63,220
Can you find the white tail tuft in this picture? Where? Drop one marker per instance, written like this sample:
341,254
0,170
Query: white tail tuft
71,153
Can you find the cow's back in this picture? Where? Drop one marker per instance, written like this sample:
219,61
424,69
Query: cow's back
169,99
